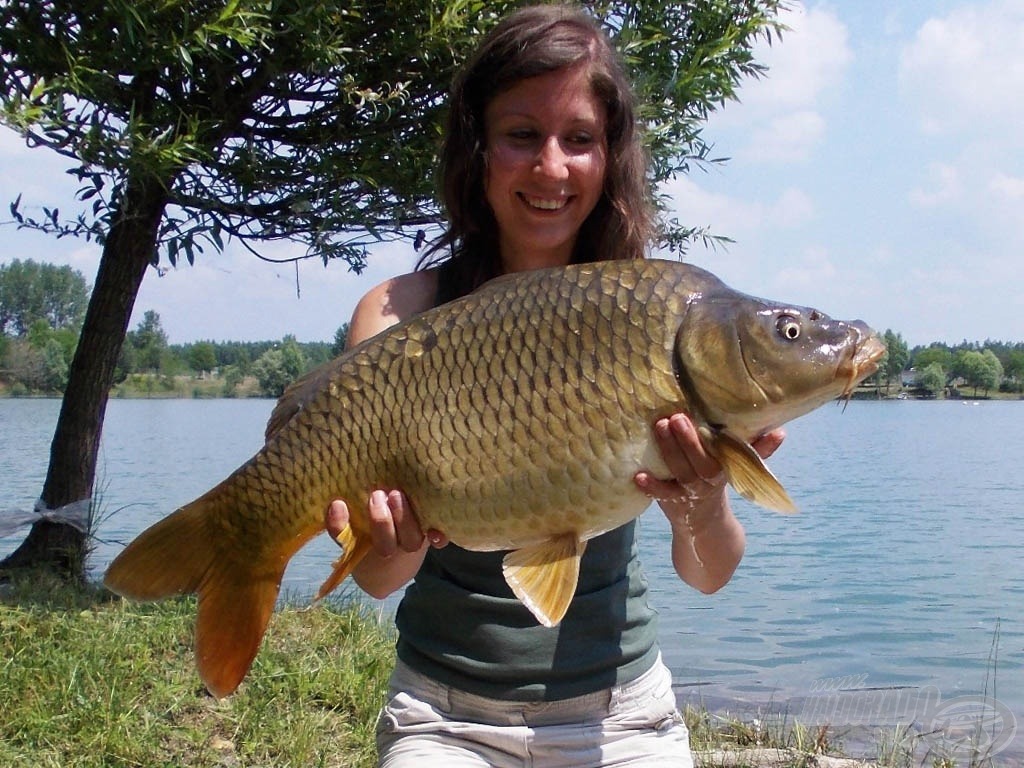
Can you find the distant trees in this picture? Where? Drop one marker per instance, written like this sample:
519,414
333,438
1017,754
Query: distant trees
31,291
983,366
278,367
201,357
896,357
41,309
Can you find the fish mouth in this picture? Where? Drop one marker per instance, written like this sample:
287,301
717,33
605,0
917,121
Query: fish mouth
866,352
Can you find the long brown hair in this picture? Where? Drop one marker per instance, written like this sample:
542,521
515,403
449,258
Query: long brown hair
529,42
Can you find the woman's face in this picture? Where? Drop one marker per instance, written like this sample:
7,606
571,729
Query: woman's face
546,153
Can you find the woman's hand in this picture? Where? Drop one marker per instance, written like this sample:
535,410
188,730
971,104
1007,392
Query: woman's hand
708,541
393,525
399,544
696,474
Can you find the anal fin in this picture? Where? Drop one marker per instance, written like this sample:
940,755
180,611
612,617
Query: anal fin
544,576
355,548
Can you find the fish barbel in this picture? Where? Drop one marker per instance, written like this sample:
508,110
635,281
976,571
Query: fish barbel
514,418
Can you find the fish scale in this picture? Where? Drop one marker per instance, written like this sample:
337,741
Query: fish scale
513,419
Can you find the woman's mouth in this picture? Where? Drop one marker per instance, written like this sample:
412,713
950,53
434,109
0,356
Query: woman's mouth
544,203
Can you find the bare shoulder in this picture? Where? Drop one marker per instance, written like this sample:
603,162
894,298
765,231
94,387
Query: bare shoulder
391,302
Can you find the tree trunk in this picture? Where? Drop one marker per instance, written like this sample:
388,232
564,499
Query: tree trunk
127,252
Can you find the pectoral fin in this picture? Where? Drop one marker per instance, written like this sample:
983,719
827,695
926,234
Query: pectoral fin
544,576
747,472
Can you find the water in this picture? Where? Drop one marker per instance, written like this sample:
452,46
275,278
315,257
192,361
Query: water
899,580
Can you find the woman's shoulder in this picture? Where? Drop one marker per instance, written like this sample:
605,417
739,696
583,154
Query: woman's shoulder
392,301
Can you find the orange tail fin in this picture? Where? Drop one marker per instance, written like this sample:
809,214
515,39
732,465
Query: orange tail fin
183,553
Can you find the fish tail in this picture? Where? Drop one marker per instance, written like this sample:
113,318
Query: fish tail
355,547
185,553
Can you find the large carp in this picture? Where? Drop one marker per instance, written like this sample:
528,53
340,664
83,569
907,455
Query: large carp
514,419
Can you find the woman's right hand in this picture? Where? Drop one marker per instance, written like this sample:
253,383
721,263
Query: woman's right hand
393,524
398,542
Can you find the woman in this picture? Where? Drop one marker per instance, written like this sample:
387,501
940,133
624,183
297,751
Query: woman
541,167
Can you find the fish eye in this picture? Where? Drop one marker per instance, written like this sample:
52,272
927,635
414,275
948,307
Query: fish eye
788,327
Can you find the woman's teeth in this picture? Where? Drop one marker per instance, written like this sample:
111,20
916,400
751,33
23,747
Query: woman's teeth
544,204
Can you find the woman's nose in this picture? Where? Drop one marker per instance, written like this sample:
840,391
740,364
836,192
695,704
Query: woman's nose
552,160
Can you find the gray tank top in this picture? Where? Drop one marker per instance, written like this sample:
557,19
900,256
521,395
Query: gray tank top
460,624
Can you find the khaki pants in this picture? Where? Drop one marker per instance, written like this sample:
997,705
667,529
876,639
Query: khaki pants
429,725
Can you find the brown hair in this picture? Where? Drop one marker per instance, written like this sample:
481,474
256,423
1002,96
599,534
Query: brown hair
533,41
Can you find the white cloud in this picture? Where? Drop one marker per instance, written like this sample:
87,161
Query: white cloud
964,72
1008,187
943,185
780,114
785,138
811,58
735,217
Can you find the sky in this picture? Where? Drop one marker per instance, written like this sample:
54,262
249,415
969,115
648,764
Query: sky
876,173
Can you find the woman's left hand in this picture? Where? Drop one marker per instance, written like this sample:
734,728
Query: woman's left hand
696,474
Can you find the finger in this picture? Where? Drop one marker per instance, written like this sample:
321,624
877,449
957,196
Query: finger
407,527
655,488
336,518
768,443
382,525
683,451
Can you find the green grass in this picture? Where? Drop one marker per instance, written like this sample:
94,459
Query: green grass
88,681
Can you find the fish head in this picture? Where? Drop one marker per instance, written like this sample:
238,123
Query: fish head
749,365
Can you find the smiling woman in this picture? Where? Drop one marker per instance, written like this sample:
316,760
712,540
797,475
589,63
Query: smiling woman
541,167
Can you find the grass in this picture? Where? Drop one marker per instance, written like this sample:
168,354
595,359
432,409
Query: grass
89,680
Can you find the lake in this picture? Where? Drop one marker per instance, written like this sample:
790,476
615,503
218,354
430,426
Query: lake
895,595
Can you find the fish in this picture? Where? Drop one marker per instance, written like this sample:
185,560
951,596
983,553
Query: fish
513,418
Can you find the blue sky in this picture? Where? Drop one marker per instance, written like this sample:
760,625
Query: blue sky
876,173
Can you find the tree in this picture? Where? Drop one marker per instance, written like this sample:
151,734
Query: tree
278,367
202,357
993,370
340,340
896,356
1014,368
979,369
149,342
936,353
931,379
192,122
30,291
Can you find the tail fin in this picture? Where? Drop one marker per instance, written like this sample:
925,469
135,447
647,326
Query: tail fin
181,554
